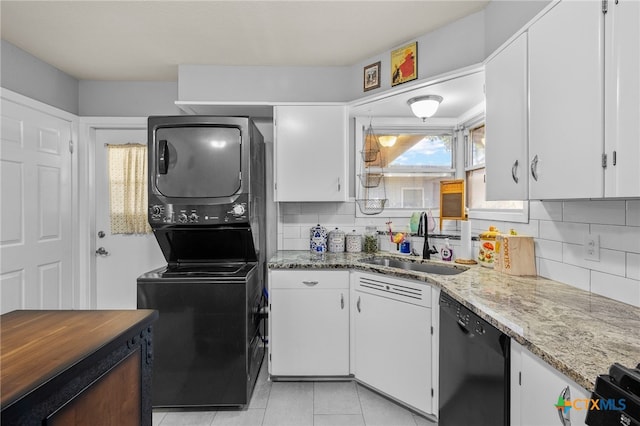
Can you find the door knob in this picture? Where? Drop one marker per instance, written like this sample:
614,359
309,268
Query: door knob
102,252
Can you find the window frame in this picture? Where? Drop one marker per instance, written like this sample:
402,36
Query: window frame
498,215
404,125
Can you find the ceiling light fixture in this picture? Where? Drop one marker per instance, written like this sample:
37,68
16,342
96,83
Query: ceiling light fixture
425,106
387,140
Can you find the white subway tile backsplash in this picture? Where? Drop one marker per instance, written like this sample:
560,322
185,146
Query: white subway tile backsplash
611,261
564,273
604,212
301,219
563,231
289,208
633,266
559,229
545,210
618,237
330,221
346,208
548,249
291,231
317,208
618,288
633,212
295,244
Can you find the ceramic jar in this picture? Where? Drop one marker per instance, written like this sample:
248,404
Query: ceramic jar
336,241
486,251
354,242
318,239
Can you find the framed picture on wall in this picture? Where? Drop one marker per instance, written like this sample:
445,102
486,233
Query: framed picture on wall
372,76
404,64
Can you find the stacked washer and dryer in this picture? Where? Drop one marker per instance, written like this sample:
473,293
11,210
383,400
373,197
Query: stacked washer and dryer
206,195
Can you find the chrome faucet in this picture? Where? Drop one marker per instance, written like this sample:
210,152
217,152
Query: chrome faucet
423,231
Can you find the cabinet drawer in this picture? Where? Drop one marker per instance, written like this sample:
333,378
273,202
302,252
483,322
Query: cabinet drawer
309,278
402,290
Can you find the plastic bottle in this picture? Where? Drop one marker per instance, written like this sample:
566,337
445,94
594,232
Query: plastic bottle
446,253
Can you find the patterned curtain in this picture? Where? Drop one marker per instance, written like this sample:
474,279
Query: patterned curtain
128,188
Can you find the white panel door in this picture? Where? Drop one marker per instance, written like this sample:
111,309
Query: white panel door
622,97
566,102
129,256
36,235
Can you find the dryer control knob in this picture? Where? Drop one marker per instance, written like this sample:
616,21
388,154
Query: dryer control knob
193,217
238,210
182,218
156,209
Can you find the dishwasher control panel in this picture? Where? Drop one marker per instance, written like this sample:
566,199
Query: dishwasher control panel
465,317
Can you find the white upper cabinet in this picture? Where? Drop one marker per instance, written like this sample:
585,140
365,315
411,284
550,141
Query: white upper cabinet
566,102
310,153
622,99
506,122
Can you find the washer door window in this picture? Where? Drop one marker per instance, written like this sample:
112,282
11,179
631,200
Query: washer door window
198,162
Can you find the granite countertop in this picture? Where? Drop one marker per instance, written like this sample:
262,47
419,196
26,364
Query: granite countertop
578,333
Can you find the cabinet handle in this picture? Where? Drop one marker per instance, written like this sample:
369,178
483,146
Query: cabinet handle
341,300
565,418
310,283
514,169
534,168
339,186
358,304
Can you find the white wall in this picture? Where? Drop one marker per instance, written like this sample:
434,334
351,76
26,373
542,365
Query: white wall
127,98
27,75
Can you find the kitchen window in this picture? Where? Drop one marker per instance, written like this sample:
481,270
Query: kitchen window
413,162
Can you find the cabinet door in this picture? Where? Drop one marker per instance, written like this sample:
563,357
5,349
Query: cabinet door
622,99
506,123
309,323
566,102
311,153
540,387
393,348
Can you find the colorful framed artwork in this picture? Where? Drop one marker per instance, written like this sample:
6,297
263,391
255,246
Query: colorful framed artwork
372,76
404,64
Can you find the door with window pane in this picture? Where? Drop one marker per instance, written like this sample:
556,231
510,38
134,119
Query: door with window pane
124,256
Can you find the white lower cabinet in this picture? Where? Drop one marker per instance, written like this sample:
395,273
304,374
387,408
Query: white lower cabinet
535,388
392,337
308,323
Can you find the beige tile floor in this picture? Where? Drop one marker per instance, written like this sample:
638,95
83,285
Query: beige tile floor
302,404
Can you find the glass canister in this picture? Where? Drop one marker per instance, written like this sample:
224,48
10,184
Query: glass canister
354,242
336,241
370,239
318,237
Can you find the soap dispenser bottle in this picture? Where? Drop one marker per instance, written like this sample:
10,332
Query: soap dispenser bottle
446,253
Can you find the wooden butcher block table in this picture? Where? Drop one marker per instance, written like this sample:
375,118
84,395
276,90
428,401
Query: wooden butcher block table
76,367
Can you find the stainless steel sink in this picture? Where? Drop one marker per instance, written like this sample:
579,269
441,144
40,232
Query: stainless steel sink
429,268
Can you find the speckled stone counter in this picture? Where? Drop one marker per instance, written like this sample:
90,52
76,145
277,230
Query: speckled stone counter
578,333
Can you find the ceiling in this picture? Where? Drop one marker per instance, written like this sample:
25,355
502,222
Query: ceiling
460,95
147,40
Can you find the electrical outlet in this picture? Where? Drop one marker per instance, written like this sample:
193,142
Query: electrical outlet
592,247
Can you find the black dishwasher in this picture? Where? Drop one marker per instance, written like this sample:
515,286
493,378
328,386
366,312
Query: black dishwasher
474,368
